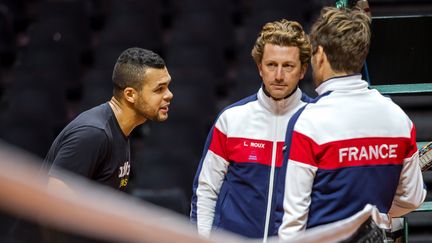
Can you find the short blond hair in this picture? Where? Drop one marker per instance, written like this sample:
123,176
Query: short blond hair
344,35
283,33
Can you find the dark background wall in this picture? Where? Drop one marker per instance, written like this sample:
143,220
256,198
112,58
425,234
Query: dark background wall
58,56
56,60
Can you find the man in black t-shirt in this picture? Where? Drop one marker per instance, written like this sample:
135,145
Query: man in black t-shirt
96,144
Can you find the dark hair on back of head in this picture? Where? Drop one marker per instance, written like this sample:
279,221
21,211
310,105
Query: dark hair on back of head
345,37
130,68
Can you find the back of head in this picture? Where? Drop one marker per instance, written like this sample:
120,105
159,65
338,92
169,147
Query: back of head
282,33
344,35
130,68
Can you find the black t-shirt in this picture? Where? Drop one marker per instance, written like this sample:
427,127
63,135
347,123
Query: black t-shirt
94,146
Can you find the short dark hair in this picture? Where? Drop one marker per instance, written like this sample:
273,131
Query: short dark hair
344,35
130,68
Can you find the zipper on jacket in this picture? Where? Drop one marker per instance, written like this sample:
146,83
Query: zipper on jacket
271,182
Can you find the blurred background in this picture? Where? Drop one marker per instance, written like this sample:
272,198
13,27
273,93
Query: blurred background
56,60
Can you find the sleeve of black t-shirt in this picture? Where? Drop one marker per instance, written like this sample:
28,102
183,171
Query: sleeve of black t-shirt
81,151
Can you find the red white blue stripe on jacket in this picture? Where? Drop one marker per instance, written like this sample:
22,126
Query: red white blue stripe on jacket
234,178
348,148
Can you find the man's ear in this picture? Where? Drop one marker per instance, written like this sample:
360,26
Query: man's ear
303,70
259,66
320,55
130,94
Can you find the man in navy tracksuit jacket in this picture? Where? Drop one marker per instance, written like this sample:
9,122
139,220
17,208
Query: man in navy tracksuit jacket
351,146
236,187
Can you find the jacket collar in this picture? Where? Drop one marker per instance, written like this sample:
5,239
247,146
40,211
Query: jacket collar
342,83
279,106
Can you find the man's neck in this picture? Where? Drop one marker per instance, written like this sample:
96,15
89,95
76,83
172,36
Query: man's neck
330,73
333,74
126,117
269,95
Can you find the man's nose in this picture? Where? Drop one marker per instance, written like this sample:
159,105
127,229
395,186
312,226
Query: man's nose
279,73
169,95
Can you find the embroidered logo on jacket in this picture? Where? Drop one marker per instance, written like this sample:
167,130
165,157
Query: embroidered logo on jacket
254,144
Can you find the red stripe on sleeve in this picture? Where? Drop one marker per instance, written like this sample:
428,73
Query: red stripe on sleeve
303,149
413,142
218,143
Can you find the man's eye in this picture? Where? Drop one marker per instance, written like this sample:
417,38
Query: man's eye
288,67
271,66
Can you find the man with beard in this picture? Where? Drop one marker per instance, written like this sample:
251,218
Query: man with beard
236,187
96,143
